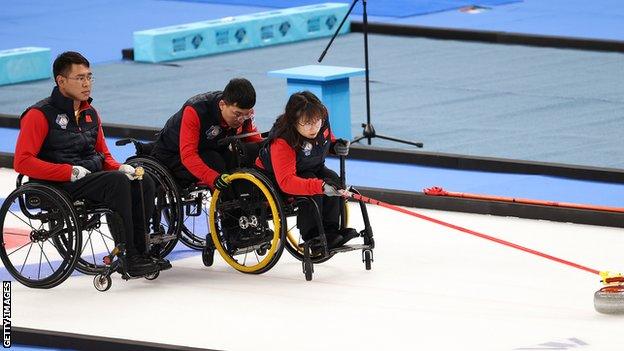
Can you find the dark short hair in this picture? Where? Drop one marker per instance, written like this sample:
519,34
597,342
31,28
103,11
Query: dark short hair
239,92
305,105
63,62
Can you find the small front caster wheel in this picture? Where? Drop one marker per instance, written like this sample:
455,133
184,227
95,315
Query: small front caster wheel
102,282
152,276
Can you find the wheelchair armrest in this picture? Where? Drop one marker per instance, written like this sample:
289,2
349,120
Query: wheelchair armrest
141,148
19,180
125,141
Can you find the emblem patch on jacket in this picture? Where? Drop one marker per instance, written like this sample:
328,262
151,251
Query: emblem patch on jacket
213,132
62,120
307,148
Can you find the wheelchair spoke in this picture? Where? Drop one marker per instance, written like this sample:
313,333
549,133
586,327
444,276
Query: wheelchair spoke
39,271
257,258
193,223
19,248
92,251
21,219
86,242
25,259
46,257
102,235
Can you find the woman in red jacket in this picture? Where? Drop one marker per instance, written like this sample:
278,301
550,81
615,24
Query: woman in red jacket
294,155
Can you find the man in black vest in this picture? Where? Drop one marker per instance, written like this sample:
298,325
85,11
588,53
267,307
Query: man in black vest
61,141
188,143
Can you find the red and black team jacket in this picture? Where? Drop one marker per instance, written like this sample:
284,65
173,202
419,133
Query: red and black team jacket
286,163
197,127
52,140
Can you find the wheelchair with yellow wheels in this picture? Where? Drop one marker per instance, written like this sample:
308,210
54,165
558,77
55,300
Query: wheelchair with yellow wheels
251,223
185,209
44,236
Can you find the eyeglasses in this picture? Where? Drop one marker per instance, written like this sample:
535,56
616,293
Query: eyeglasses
83,79
241,117
311,124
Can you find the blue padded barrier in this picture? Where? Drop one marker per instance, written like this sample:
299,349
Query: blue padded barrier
24,64
237,33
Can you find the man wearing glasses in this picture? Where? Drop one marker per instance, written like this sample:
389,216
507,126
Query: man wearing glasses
188,143
61,141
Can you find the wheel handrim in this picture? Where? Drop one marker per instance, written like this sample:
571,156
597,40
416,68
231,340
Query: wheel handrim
272,252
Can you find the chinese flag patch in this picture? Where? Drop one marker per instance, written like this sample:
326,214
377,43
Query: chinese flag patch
89,119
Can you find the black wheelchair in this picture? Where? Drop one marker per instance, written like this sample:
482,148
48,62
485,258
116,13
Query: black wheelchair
253,221
182,206
44,236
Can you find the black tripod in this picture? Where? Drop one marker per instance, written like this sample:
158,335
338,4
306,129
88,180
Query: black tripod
369,131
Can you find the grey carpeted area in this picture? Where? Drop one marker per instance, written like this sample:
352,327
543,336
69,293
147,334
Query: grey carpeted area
517,102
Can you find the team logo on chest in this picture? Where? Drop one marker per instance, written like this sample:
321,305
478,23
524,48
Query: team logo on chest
62,120
213,132
307,148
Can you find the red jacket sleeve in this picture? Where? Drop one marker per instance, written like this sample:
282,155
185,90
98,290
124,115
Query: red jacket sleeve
189,141
110,163
332,137
284,163
251,128
33,131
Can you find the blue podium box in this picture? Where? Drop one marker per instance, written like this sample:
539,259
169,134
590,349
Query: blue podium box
24,64
331,85
238,33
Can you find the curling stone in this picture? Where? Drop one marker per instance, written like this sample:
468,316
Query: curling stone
610,299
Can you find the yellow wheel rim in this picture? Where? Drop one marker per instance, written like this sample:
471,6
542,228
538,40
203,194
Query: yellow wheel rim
276,226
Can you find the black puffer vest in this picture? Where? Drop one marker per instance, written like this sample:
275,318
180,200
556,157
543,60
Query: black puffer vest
167,147
67,141
310,156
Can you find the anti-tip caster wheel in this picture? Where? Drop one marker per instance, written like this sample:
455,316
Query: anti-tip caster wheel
152,276
102,282
308,270
367,258
208,256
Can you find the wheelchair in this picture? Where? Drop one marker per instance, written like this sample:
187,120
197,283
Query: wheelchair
254,249
180,206
252,222
44,236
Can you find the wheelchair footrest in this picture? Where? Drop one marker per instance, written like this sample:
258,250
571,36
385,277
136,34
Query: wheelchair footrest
347,248
160,239
244,250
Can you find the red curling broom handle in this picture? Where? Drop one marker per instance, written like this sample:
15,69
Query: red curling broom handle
467,231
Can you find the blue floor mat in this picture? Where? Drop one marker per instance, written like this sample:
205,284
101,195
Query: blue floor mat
395,8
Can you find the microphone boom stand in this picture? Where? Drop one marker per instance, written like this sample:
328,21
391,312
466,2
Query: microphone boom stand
369,130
